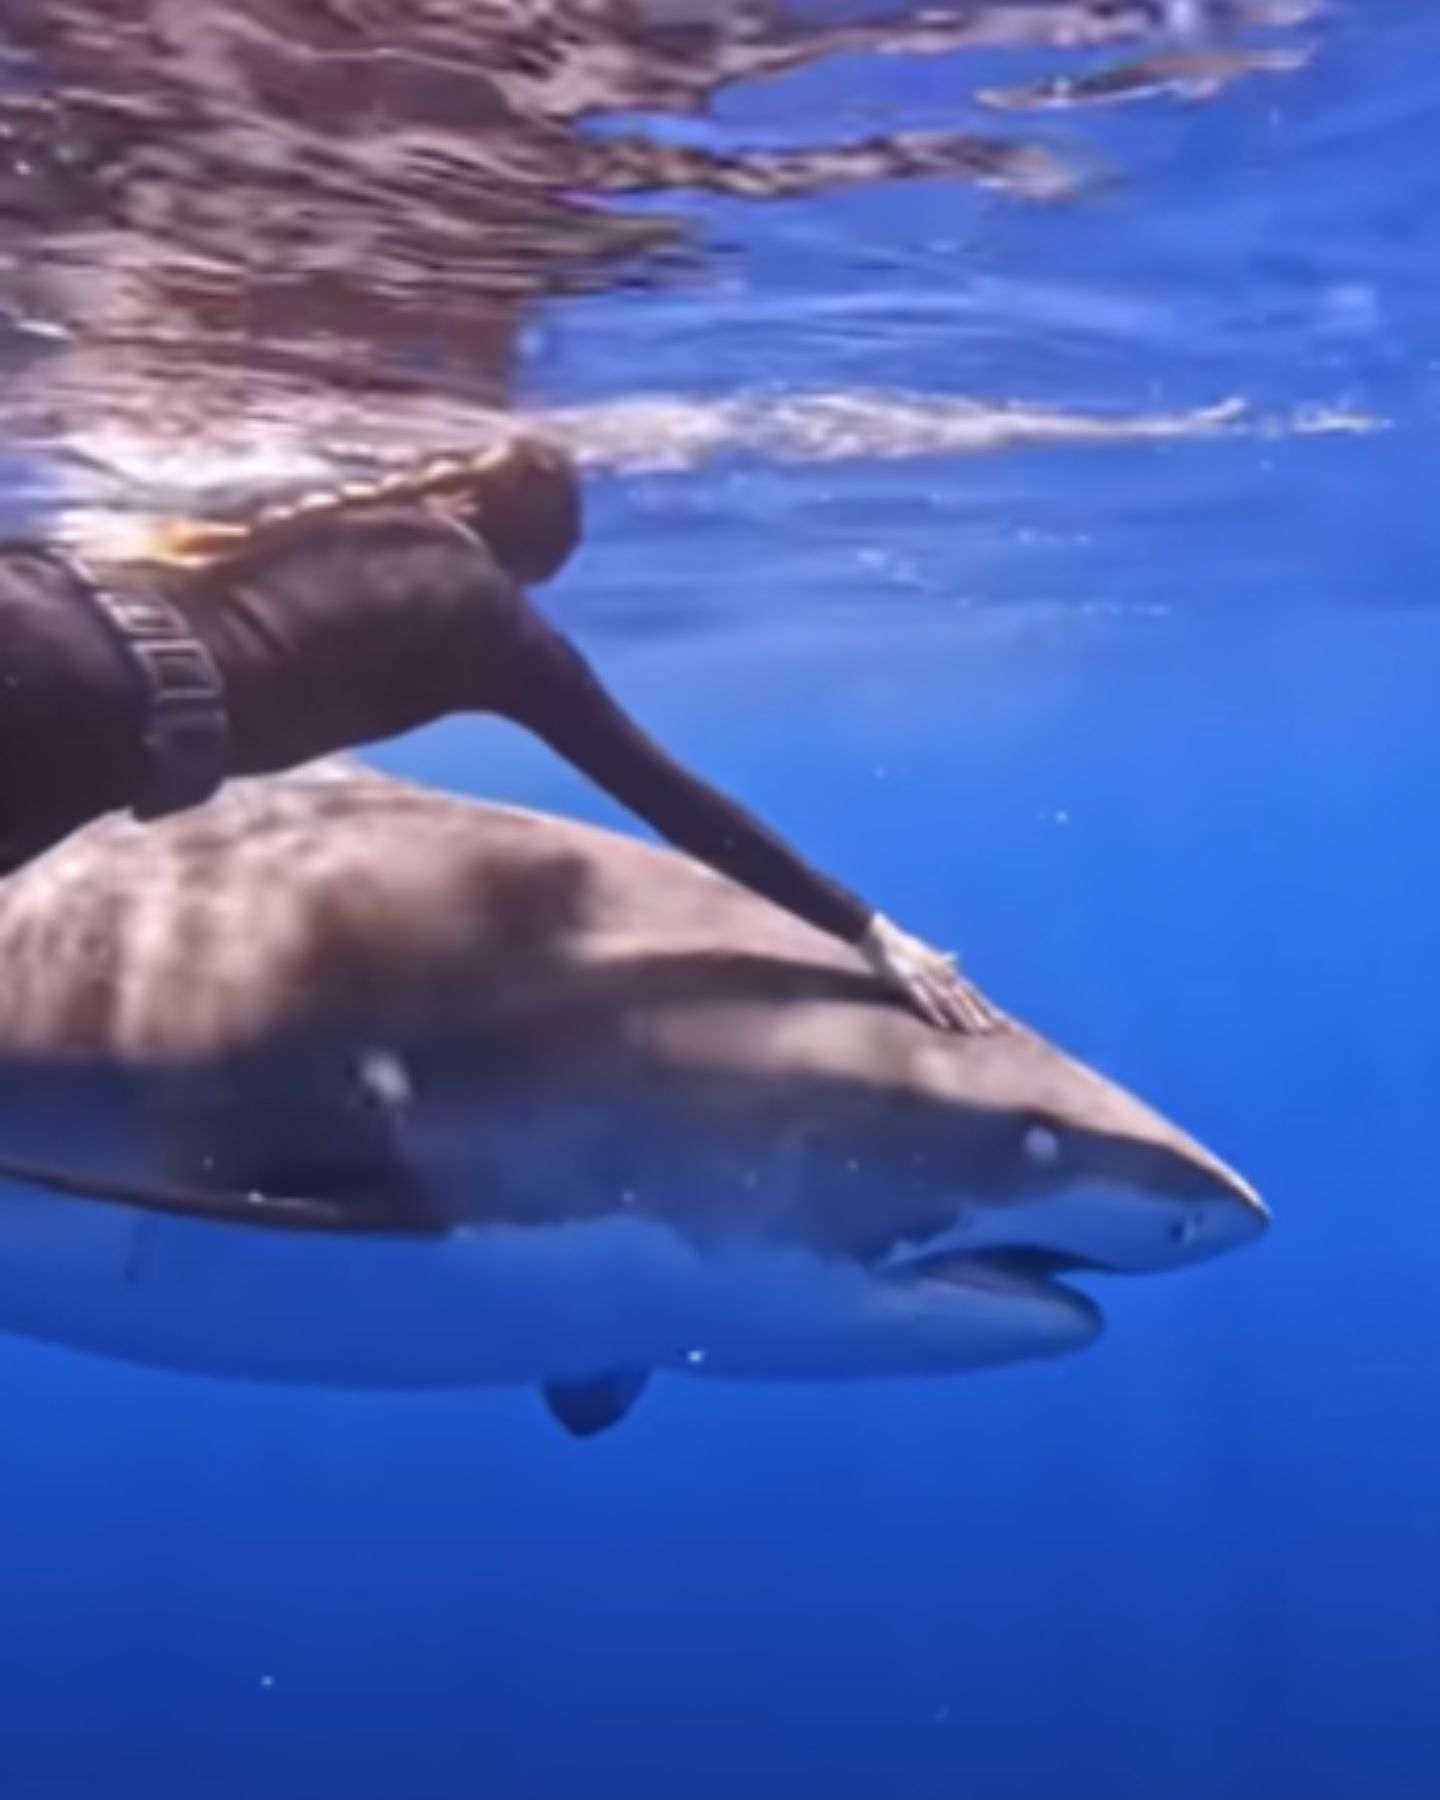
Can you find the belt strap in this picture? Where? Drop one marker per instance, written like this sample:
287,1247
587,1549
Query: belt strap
186,735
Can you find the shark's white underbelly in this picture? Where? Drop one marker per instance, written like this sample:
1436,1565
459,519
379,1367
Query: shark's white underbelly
487,1306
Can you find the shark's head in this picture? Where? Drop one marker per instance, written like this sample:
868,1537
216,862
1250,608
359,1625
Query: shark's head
969,1176
1039,1166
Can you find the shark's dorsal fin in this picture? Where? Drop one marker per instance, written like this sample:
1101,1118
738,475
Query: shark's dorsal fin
229,1206
586,1408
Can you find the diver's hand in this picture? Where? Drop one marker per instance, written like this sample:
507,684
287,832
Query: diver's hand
928,979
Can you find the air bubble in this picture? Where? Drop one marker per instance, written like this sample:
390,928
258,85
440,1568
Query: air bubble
1042,1146
386,1079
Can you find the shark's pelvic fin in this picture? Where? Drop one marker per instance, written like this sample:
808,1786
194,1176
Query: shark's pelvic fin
586,1408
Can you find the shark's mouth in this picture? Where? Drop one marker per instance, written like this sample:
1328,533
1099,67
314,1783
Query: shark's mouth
1021,1270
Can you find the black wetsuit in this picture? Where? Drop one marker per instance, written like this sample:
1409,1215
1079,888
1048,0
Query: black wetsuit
345,632
71,709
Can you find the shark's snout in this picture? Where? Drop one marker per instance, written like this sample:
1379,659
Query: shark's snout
1197,1205
1224,1213
1116,1190
1145,1218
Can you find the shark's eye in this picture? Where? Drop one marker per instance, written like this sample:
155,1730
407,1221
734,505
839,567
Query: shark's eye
1041,1145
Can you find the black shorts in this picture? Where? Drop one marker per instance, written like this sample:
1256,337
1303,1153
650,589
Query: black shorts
71,710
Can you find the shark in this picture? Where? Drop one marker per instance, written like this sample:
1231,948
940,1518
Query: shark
350,1082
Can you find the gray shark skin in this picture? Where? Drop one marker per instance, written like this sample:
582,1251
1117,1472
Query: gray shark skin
343,1081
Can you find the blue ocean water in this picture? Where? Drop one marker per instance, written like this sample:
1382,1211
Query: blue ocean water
1147,731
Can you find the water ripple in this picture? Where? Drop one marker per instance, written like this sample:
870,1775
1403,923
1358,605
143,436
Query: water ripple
335,219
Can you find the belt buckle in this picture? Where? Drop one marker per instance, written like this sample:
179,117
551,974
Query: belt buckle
186,737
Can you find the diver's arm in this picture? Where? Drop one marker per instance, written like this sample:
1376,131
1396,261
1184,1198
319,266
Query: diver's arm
553,691
562,700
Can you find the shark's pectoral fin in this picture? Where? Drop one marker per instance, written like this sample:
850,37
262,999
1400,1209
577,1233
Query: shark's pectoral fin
227,1206
586,1408
303,1157
311,1133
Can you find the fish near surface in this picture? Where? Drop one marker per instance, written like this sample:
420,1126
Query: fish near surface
345,1081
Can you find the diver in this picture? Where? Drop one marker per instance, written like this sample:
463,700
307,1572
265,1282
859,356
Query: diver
344,618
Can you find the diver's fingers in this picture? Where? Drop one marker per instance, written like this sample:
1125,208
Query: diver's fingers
966,1007
989,1015
976,1008
964,1013
958,1015
946,989
981,1016
949,1003
927,978
937,995
923,999
946,1006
